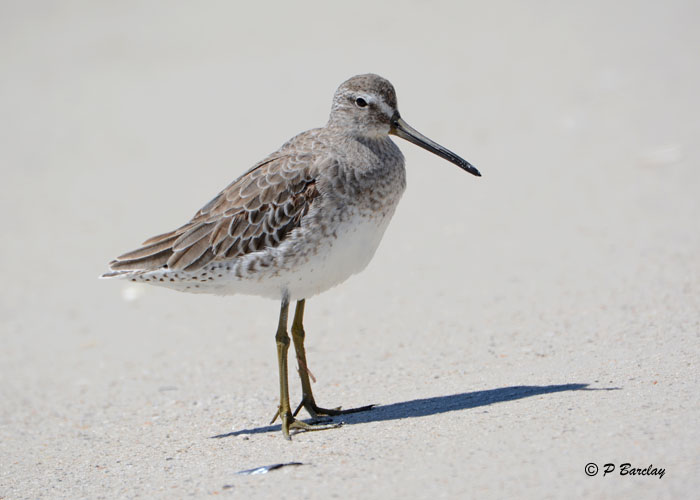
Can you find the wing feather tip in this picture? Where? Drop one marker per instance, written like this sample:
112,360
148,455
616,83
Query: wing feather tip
113,274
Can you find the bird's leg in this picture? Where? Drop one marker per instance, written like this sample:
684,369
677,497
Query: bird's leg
307,400
284,411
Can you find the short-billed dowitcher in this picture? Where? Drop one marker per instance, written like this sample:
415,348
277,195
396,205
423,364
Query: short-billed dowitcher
297,223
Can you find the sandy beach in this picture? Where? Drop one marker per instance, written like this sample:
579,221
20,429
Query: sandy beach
512,329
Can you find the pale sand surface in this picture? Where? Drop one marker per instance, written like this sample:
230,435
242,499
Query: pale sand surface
513,327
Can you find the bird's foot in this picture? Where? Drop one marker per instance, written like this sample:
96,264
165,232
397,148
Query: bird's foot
289,423
317,412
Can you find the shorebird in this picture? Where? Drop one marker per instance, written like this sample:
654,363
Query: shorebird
297,223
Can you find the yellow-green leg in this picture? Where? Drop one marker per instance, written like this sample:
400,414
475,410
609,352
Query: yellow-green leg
307,399
284,411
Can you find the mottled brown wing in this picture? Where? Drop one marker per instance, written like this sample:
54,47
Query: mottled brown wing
256,211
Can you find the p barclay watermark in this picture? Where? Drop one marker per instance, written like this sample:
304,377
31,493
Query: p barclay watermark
625,469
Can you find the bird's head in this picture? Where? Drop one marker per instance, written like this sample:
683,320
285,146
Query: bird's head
365,106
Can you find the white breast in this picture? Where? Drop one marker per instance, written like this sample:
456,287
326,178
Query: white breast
349,252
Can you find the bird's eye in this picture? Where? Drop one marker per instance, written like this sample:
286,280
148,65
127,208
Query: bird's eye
361,103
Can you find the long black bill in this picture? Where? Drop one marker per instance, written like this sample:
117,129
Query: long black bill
402,129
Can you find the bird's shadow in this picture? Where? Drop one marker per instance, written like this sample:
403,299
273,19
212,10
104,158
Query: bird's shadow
434,406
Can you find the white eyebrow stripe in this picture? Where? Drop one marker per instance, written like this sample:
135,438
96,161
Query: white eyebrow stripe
386,109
